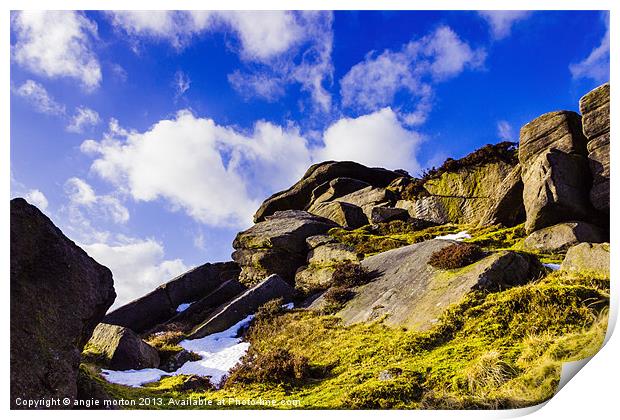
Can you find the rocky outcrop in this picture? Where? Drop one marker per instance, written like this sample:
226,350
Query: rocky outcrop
588,258
122,349
161,304
558,238
276,245
595,110
273,287
325,253
481,188
555,174
58,296
413,294
298,197
335,188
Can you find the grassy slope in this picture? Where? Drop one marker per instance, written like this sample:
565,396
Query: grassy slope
499,350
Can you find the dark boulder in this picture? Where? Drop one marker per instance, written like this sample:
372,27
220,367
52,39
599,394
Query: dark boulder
273,287
122,349
299,196
161,304
346,215
58,296
507,208
383,214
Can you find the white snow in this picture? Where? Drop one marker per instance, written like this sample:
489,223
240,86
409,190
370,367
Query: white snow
455,236
184,306
220,352
288,306
554,267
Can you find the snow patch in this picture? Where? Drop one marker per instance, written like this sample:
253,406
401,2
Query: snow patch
553,267
182,307
455,236
288,306
219,353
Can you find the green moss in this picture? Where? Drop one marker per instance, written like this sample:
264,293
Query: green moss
491,350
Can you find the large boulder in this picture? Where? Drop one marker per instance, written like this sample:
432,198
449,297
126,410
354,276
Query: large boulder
560,237
594,107
367,199
277,245
588,258
298,197
58,296
413,294
555,173
161,304
122,349
273,287
346,215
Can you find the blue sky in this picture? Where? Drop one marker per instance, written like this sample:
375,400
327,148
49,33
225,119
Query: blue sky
151,138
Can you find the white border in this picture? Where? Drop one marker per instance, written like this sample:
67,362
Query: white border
593,395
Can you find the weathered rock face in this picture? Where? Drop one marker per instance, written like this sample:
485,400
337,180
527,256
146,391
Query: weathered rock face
595,110
58,296
382,214
160,305
324,254
200,310
273,287
367,199
298,197
587,257
276,245
122,348
555,173
413,294
345,214
560,237
335,188
507,208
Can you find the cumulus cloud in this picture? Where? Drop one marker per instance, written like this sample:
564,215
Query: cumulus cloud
283,47
37,198
218,175
84,117
377,139
596,65
138,266
39,98
505,132
501,21
374,82
56,44
107,207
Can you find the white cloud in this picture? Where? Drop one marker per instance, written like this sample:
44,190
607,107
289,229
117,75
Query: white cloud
107,207
83,117
596,65
181,83
284,47
374,82
40,99
216,174
377,139
138,266
501,21
505,132
56,44
37,198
